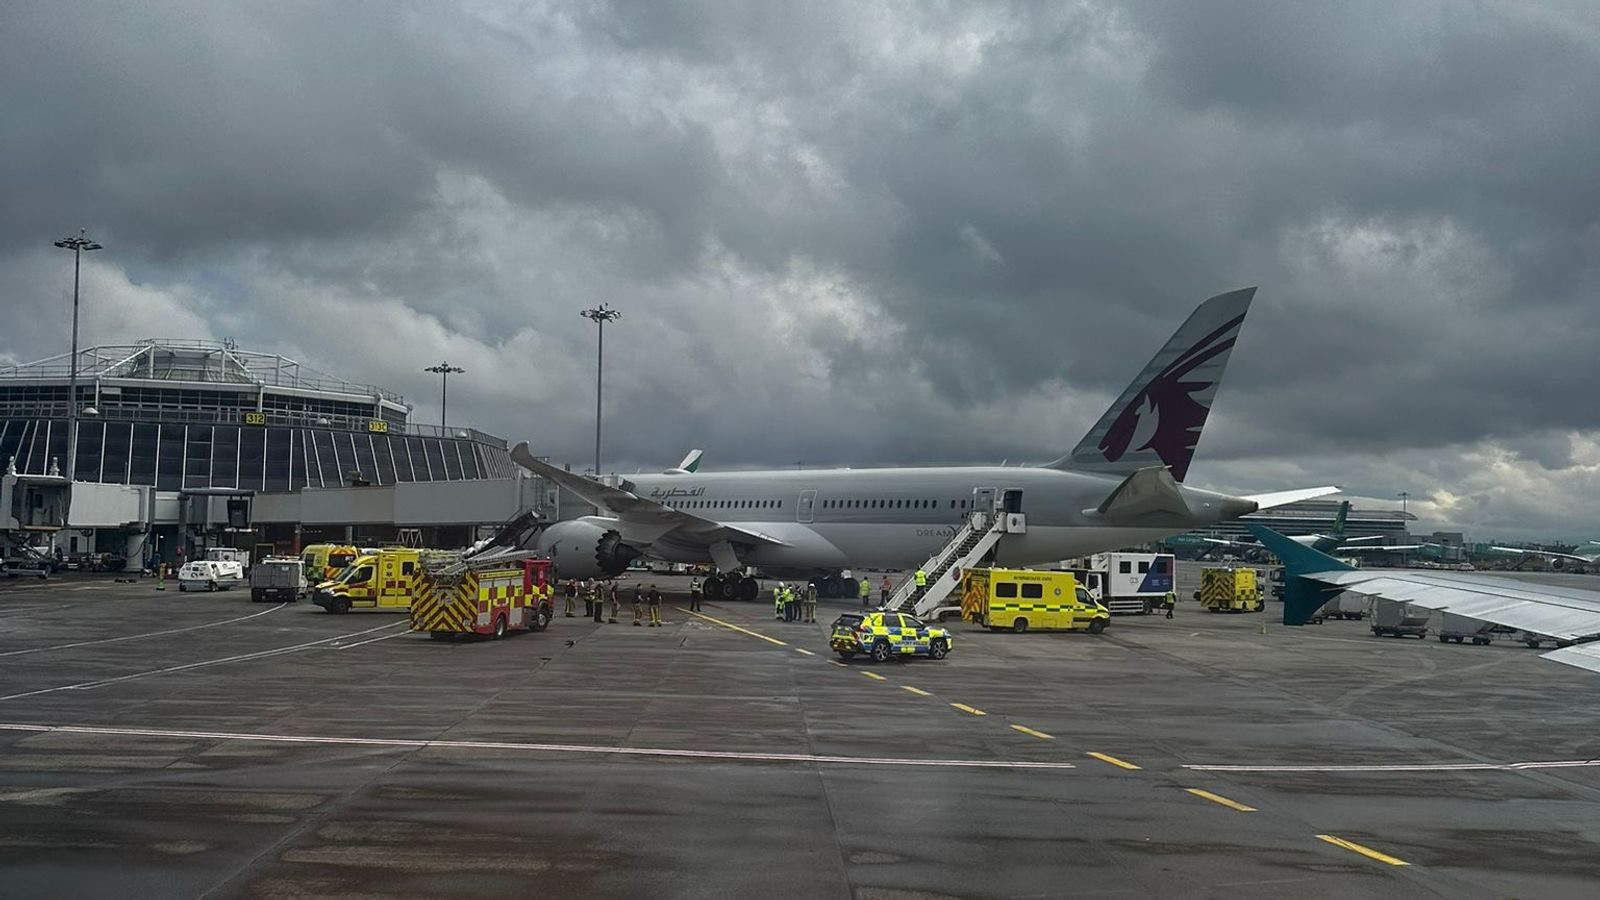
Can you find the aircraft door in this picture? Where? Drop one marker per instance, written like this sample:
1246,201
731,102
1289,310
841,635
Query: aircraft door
1012,501
983,499
802,510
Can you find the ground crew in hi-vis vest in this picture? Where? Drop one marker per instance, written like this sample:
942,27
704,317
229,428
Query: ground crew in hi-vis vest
1169,602
922,579
811,601
866,592
777,600
616,604
572,597
655,607
790,611
638,605
694,594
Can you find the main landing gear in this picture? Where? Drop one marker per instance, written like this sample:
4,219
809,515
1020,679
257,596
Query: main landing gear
731,587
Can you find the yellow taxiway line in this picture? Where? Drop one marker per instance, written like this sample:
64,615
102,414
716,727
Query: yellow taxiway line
1038,734
1120,763
874,676
739,628
968,709
1364,851
1218,798
915,690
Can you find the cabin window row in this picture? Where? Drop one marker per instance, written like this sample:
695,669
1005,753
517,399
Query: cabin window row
725,504
889,504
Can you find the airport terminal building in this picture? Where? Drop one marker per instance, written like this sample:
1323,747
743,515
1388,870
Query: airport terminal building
181,439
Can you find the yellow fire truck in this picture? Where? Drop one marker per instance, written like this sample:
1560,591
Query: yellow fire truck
1229,589
387,579
501,596
1023,599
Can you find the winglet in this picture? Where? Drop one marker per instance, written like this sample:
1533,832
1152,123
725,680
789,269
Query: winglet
1302,597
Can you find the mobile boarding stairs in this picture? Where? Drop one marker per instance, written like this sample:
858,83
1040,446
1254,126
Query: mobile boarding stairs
974,542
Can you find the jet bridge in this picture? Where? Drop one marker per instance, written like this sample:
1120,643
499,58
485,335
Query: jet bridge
32,509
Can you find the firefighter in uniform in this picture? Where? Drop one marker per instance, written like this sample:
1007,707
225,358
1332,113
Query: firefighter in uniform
777,600
1169,602
588,597
694,594
638,605
599,601
655,607
811,601
616,603
572,597
866,593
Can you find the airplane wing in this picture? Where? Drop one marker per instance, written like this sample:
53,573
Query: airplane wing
1388,548
1365,537
1281,498
1568,615
1546,554
649,517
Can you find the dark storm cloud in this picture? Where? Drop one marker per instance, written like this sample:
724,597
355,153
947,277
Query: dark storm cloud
850,232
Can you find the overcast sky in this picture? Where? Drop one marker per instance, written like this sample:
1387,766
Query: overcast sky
854,233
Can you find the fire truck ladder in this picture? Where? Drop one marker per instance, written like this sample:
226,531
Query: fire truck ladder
982,531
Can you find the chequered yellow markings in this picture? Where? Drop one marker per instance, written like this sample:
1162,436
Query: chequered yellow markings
1218,798
915,690
1038,734
733,627
874,676
969,709
1364,851
1120,763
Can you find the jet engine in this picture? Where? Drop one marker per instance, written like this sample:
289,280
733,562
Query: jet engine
589,547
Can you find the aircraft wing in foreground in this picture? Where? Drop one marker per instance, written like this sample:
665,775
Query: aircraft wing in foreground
1566,615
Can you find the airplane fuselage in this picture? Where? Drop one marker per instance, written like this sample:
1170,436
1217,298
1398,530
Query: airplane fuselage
897,517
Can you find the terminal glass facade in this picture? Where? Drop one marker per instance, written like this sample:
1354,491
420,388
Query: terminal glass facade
180,456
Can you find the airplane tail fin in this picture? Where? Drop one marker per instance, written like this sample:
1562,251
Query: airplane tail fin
1338,521
1158,419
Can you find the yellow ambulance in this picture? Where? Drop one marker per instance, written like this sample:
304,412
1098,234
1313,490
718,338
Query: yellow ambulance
1024,599
387,579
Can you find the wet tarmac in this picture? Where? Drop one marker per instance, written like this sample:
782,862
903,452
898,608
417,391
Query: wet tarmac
158,744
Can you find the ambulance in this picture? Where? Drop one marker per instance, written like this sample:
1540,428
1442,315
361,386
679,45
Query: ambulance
387,579
325,561
1026,599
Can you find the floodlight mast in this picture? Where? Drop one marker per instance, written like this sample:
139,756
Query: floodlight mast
444,370
78,244
600,315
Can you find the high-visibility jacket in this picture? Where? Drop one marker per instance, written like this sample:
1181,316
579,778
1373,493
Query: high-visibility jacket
866,589
777,597
922,578
694,585
1170,599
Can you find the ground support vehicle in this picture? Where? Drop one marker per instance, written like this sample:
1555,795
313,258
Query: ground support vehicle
1399,620
1125,583
1230,589
1461,628
278,578
230,554
1023,599
885,635
487,598
1345,606
387,579
324,562
209,575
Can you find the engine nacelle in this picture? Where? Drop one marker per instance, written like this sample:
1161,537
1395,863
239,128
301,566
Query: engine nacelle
590,547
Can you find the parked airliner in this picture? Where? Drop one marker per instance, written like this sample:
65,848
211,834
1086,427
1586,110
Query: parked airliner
1121,485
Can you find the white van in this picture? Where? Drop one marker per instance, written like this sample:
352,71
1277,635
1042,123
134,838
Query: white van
210,575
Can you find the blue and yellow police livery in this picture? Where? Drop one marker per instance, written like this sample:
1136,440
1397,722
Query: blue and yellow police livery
887,634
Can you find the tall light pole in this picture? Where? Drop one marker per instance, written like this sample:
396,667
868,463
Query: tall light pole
444,370
601,315
1404,496
77,244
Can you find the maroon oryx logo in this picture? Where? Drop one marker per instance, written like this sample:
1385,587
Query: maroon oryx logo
1164,416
